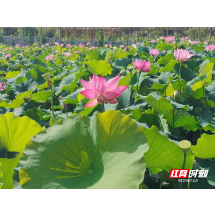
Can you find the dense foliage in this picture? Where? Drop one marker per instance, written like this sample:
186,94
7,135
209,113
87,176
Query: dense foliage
108,117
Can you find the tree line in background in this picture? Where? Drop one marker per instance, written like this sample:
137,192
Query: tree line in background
115,34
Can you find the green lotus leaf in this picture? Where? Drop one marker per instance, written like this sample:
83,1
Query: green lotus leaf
93,54
99,67
206,68
169,66
1,176
14,104
125,80
161,104
207,126
211,175
71,98
23,87
8,166
37,114
163,153
105,151
41,96
118,54
24,94
12,74
122,63
181,119
68,83
15,131
205,147
166,59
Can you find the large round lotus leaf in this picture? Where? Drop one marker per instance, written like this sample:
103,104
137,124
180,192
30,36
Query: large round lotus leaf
205,147
15,132
105,151
7,168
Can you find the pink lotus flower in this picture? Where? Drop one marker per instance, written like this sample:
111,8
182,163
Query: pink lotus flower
92,48
152,41
17,45
88,44
108,45
169,39
143,44
56,43
206,43
153,52
36,47
121,46
101,90
49,57
193,42
20,54
80,45
1,86
76,52
210,48
161,37
69,46
10,48
42,46
182,55
66,54
142,65
134,46
47,44
183,39
61,45
8,55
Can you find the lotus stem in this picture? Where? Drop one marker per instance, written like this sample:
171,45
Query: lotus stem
185,155
188,184
161,180
173,122
179,79
52,102
103,107
5,153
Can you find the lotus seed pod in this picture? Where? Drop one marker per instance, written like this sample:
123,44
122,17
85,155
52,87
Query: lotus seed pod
49,84
46,76
185,146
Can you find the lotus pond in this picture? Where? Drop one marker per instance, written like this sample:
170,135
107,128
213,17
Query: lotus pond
75,117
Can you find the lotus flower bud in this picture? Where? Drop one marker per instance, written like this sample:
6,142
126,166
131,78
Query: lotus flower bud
49,84
176,93
59,98
64,106
46,76
126,49
185,146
